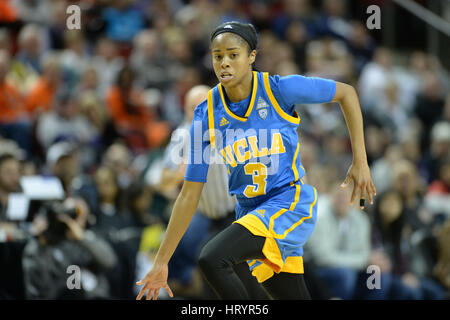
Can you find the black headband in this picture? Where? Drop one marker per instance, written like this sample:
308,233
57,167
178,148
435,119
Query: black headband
245,31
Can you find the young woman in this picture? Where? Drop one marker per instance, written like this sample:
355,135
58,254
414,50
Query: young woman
249,118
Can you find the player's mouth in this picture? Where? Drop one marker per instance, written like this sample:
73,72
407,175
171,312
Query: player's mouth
225,77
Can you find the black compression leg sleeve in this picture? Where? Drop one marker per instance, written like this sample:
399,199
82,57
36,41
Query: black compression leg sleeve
287,286
229,248
254,288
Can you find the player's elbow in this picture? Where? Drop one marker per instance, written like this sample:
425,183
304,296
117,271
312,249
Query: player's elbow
344,91
191,191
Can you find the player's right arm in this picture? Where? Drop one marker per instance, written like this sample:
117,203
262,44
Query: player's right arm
182,213
183,210
184,207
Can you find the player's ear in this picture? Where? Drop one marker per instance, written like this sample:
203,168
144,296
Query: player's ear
252,56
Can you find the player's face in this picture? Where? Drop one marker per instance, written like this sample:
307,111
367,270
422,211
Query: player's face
231,59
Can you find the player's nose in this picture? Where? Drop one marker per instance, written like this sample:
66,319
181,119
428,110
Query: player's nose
225,63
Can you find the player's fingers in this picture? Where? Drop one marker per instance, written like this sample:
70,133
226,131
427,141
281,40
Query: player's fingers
155,294
369,193
141,293
354,193
150,294
169,291
346,182
374,190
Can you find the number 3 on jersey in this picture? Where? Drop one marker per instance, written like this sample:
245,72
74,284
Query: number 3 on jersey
258,171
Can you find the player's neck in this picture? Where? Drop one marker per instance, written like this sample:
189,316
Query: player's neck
242,90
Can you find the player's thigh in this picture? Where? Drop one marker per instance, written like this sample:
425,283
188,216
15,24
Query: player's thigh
235,244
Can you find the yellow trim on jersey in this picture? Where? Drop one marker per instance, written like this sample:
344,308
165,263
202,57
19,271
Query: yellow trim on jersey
280,212
294,167
293,204
270,248
297,197
212,135
292,265
275,104
295,225
274,262
252,100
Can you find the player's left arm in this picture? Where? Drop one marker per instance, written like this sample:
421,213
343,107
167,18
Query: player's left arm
359,171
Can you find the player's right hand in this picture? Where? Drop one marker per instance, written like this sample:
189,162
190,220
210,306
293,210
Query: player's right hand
153,281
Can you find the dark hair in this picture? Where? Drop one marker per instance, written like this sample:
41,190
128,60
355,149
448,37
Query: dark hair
245,31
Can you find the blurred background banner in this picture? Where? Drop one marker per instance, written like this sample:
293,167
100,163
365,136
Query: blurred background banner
92,91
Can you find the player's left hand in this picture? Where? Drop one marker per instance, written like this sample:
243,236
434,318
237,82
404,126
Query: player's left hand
363,185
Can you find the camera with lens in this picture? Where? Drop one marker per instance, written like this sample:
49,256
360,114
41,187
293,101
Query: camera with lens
56,229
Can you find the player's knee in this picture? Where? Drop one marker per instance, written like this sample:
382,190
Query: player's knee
210,260
206,260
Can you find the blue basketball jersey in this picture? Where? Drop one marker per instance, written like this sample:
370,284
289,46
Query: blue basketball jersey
261,149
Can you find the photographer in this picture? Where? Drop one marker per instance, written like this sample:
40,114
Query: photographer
65,242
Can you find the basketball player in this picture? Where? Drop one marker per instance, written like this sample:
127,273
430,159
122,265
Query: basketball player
249,118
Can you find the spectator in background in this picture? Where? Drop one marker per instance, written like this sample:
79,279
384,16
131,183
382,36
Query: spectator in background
62,160
377,140
429,106
65,242
149,61
9,183
195,21
373,78
408,184
65,122
174,97
442,268
437,197
135,121
32,11
107,62
58,24
338,156
40,98
294,11
139,198
360,44
391,239
296,35
74,58
108,207
13,118
340,244
92,108
26,66
333,20
381,168
123,21
119,158
330,58
438,150
115,223
390,111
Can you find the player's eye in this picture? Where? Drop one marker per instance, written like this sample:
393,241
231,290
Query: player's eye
217,57
233,55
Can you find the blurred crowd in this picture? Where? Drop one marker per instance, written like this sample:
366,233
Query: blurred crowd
97,107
